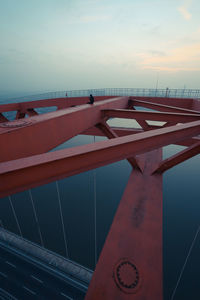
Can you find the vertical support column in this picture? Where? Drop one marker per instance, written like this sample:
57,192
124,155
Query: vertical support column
3,118
130,264
20,115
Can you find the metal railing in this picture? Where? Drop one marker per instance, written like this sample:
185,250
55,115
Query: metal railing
169,93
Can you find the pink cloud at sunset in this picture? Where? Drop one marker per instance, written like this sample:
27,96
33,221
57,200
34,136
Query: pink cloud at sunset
186,58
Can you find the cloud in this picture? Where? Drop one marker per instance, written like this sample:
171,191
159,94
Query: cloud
84,19
184,10
91,18
157,53
185,13
186,58
173,69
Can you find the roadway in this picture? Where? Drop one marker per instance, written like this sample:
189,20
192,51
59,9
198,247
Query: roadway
23,279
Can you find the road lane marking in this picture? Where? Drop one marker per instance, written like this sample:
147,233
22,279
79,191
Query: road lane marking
30,291
7,294
4,275
66,296
9,263
39,280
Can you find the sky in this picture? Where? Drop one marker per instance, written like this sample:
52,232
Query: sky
52,45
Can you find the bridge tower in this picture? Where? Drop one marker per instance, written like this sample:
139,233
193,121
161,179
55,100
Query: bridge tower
130,264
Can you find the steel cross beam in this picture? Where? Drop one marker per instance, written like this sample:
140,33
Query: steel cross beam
111,134
41,133
148,115
3,118
31,112
130,264
20,115
57,102
178,158
169,124
21,174
142,123
186,103
162,107
120,131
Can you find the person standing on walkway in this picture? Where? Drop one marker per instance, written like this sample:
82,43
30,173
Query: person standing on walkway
91,99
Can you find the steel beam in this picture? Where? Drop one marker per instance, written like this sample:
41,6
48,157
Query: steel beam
178,158
3,118
107,130
20,115
57,102
21,174
169,124
151,116
120,131
130,264
144,125
111,134
162,107
186,103
196,104
188,142
31,112
41,133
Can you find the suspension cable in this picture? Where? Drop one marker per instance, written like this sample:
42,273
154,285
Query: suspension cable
36,218
186,260
15,216
1,224
95,215
61,217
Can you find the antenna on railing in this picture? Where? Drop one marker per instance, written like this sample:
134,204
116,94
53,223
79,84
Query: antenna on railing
157,78
167,92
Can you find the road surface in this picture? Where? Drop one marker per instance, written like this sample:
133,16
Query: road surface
24,279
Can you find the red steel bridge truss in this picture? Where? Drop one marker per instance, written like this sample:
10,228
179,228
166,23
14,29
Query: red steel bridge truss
130,264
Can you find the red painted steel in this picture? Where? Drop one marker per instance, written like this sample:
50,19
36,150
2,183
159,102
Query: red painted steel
148,115
120,131
178,158
31,112
162,107
143,124
196,104
130,265
179,103
44,132
56,102
28,172
3,118
111,134
20,114
169,124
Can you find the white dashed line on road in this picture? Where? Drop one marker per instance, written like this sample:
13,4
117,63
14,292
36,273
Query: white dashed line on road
30,291
66,296
39,280
9,263
4,275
